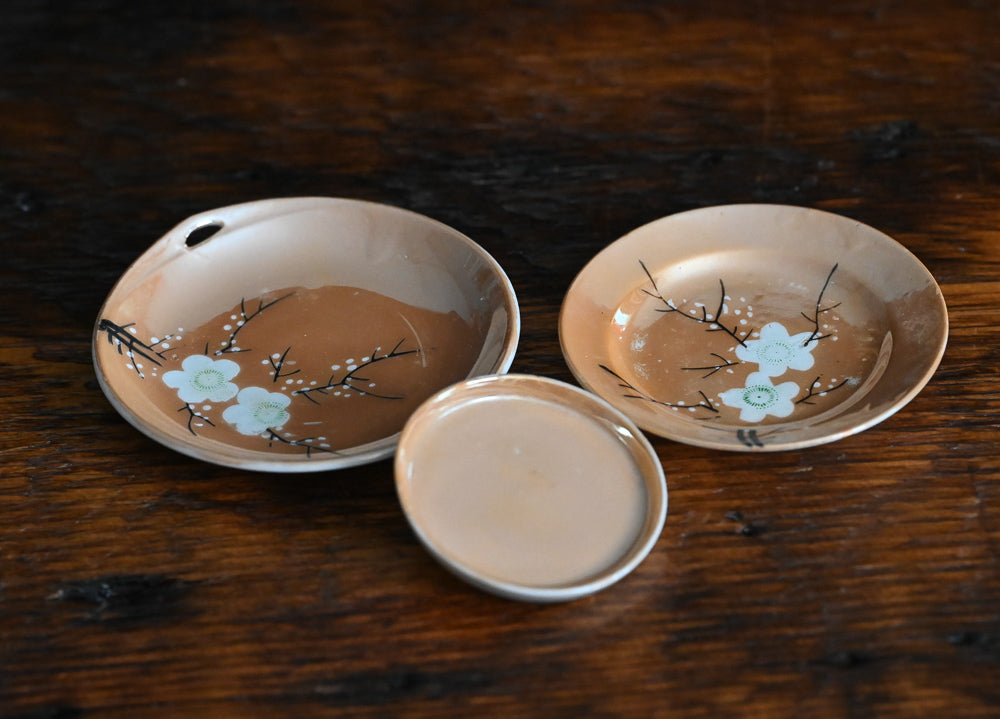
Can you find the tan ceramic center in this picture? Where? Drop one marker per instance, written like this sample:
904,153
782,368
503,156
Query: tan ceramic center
526,491
672,356
296,370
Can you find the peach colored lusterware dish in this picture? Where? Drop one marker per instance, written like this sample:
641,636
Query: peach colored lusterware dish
754,327
299,334
530,488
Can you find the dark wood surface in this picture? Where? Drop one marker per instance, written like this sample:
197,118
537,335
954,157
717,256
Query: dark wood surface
856,579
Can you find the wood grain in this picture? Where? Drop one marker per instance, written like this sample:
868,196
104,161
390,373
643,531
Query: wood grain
856,579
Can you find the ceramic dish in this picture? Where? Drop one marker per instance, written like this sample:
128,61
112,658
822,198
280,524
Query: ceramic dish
754,327
530,488
299,334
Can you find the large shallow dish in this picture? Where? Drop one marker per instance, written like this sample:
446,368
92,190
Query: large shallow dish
754,327
299,334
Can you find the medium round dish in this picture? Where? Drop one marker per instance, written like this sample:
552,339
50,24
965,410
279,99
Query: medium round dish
754,327
298,334
530,488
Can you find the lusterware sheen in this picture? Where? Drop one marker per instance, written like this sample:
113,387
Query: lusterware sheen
530,488
299,334
754,327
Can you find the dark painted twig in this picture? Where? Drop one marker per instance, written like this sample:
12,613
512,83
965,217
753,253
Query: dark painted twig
712,369
279,364
714,323
192,417
273,437
119,336
230,345
351,376
639,394
810,394
819,309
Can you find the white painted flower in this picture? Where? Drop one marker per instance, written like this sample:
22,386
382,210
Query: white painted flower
203,379
776,351
257,410
759,398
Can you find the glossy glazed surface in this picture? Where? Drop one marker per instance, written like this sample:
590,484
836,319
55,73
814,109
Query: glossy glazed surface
301,333
751,327
530,488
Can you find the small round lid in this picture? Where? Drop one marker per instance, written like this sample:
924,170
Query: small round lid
530,488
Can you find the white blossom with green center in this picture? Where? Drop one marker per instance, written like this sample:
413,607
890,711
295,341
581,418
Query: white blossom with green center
776,351
759,398
203,379
257,410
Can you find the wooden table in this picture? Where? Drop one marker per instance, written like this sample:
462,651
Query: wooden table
855,579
